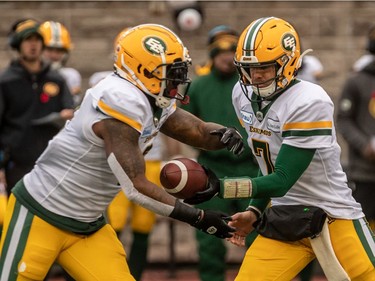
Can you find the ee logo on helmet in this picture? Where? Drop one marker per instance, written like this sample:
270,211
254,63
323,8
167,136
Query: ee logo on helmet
288,42
154,45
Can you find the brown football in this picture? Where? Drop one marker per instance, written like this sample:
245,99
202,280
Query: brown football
183,177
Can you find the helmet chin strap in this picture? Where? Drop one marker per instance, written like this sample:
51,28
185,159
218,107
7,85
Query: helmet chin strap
265,92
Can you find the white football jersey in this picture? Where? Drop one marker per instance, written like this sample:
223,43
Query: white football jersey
156,153
302,116
72,77
72,177
74,81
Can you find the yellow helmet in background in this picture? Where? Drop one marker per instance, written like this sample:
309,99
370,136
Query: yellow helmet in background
154,59
56,35
265,42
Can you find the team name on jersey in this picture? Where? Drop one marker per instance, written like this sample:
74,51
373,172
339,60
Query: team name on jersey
260,131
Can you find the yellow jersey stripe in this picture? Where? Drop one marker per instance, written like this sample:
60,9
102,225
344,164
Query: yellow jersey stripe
307,125
119,116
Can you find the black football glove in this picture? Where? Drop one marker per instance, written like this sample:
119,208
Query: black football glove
231,138
213,188
215,223
210,222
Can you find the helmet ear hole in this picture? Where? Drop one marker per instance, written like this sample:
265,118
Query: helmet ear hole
147,74
292,69
293,62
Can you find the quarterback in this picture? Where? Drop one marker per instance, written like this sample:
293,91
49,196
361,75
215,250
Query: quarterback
55,213
291,132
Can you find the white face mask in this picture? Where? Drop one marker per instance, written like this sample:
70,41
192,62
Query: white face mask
266,91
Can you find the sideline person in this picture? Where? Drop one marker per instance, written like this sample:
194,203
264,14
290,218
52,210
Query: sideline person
58,46
34,103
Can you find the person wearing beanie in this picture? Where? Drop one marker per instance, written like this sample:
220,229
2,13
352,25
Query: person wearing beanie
220,39
213,87
356,123
34,103
21,30
369,57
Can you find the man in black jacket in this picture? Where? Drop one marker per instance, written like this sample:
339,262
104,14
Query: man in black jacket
34,103
356,123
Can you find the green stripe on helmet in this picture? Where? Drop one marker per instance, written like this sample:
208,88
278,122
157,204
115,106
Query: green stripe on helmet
249,42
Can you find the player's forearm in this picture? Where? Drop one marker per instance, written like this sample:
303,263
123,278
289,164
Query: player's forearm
188,129
136,196
287,171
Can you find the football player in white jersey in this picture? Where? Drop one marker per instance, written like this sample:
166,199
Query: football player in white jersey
122,212
291,132
56,211
57,47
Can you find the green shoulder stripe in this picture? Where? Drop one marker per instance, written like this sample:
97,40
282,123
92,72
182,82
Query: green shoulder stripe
307,133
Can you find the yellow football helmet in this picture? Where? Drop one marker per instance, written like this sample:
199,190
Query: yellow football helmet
268,42
155,60
56,35
119,36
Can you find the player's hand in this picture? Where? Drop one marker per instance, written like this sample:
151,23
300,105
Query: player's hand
243,223
213,188
231,138
3,179
66,114
215,223
3,183
210,222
